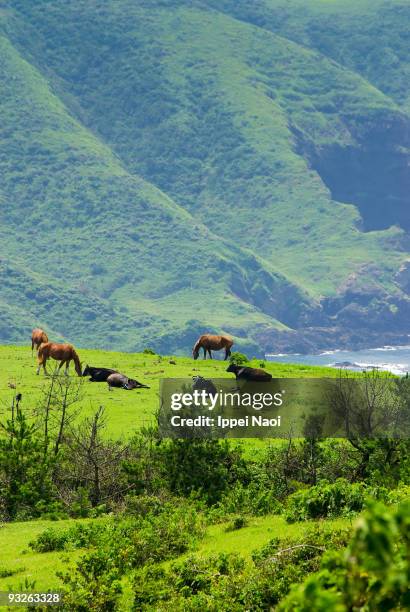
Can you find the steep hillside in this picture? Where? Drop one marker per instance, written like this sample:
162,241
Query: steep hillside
172,166
372,170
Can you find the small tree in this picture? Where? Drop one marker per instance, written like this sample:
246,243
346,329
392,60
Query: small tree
374,413
91,463
25,474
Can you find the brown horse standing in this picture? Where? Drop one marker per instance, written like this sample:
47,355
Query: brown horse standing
209,342
64,353
38,336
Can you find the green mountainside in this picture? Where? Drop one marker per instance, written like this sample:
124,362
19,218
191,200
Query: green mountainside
172,167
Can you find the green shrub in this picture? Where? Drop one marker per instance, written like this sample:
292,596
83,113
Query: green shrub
238,358
6,573
192,584
81,506
204,467
254,498
94,585
402,493
49,540
238,522
326,500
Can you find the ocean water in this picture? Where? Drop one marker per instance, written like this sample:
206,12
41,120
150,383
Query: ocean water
394,359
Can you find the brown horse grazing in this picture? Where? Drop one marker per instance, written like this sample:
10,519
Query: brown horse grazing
209,342
64,353
38,336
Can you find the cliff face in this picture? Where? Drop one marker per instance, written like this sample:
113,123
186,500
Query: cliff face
373,172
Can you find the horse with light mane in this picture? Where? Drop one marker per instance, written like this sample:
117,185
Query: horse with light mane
64,353
210,342
38,336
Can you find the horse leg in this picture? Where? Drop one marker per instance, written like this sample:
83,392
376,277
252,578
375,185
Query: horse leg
210,354
44,365
67,365
204,352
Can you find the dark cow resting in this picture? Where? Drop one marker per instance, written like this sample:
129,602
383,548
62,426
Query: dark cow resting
97,374
249,374
116,379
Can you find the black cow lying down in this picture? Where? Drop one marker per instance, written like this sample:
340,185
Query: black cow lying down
97,374
249,374
116,379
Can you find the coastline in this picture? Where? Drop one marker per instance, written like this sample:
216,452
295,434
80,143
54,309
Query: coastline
394,359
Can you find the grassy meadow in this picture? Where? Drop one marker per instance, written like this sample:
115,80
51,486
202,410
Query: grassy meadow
125,411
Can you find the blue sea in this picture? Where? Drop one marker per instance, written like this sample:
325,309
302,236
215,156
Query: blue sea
395,359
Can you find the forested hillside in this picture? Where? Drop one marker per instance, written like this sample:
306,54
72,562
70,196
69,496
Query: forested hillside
170,167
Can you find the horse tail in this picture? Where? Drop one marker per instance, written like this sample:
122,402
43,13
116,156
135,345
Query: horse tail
77,363
40,353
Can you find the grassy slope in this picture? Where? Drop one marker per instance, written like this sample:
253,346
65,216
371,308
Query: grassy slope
385,65
344,30
204,107
125,411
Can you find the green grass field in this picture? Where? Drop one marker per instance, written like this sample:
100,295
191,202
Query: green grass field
125,411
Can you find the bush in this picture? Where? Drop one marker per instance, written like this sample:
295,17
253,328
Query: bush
81,535
238,358
402,493
94,585
149,351
255,499
326,500
238,522
49,540
193,584
206,468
